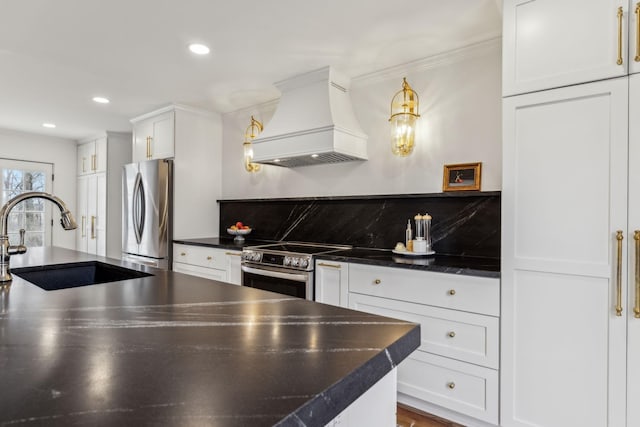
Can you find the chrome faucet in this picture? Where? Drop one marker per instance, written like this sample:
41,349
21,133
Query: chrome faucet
6,250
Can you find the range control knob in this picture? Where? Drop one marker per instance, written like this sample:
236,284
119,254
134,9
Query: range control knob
295,262
287,261
304,263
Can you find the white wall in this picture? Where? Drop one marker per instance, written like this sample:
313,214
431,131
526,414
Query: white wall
460,105
62,153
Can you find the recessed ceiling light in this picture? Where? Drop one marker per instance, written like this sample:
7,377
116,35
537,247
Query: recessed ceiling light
49,125
314,156
100,100
276,160
198,49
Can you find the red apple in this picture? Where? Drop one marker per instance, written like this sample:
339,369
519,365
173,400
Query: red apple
239,224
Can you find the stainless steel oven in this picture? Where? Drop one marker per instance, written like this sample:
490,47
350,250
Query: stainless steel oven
285,267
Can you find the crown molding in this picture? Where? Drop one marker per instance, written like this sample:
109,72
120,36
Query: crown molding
174,107
470,51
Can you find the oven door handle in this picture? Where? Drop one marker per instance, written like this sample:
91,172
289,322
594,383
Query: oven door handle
276,274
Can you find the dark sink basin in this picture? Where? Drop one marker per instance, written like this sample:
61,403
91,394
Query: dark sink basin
62,276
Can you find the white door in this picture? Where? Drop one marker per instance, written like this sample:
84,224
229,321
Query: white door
162,143
551,43
34,215
81,218
633,326
332,283
634,36
142,132
101,214
564,198
92,213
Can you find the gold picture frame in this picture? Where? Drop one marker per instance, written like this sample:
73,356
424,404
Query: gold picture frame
462,177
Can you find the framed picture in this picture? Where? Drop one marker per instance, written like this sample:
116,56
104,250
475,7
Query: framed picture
462,177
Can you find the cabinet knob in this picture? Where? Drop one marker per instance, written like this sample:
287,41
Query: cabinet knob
377,282
452,334
452,291
451,385
209,258
183,253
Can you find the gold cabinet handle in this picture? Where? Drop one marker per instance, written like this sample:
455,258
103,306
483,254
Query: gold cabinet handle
233,253
84,166
183,253
452,291
323,264
148,147
209,258
377,282
636,305
93,227
451,334
93,162
619,237
451,385
637,12
620,15
84,220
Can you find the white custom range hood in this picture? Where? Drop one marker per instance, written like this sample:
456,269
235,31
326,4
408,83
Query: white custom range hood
313,123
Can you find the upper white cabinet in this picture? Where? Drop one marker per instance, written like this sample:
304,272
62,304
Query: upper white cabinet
550,43
153,136
564,196
92,156
99,193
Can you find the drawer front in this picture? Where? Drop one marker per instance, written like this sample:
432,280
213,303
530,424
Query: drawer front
467,337
467,293
459,386
194,270
200,255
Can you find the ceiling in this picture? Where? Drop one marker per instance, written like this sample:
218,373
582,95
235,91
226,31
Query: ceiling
56,55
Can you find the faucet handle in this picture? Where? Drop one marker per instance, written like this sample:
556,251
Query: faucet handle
22,231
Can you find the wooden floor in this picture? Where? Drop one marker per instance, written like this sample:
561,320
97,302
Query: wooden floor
409,417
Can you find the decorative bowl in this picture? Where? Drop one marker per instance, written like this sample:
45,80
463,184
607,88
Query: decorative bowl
239,234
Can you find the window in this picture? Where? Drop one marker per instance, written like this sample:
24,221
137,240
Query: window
32,214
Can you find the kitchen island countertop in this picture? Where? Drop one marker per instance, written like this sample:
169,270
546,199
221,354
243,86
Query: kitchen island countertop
172,349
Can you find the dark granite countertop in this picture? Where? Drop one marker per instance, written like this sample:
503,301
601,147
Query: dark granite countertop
172,349
472,266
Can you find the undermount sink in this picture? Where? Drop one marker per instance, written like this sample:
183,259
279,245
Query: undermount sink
62,276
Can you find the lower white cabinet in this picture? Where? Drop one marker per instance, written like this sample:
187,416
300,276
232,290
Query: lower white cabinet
92,213
207,262
332,283
455,371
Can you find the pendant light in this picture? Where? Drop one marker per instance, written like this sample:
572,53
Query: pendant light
250,134
404,114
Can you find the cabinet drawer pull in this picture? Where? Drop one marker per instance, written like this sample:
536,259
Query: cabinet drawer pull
93,227
452,291
637,12
183,253
619,237
451,385
148,147
93,162
84,166
84,226
636,305
323,264
209,258
620,15
377,282
232,254
451,334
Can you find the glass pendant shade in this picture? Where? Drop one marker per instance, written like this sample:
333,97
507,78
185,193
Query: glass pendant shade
250,134
404,115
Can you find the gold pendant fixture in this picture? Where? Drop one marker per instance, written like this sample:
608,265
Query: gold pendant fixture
404,114
253,130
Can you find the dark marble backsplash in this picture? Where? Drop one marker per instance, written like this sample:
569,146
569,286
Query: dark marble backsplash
463,223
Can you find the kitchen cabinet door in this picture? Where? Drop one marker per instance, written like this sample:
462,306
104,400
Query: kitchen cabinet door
633,306
81,218
634,36
332,283
153,138
84,157
100,155
549,43
564,196
101,214
92,213
234,272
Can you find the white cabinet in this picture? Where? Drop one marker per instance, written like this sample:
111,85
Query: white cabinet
193,138
632,308
99,193
153,137
456,366
207,262
332,283
549,43
564,198
92,156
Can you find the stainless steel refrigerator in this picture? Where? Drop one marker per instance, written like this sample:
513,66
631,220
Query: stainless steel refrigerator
147,210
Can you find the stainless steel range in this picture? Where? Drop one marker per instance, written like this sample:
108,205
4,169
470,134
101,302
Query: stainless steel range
285,267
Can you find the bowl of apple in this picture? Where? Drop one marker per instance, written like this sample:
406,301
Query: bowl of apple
239,230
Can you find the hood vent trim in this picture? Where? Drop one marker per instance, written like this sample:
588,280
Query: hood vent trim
313,124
